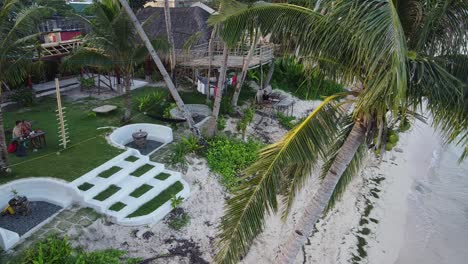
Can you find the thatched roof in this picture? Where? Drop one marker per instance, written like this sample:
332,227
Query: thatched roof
186,21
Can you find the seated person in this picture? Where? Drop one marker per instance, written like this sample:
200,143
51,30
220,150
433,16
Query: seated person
265,96
25,128
17,133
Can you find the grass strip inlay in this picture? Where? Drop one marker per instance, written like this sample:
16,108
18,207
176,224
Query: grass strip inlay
142,170
109,172
131,159
157,201
162,176
117,206
85,186
111,190
141,190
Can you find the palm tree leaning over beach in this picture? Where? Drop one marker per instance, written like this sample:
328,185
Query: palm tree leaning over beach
113,44
402,54
17,32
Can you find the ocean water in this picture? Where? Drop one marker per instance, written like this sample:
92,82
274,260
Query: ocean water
436,230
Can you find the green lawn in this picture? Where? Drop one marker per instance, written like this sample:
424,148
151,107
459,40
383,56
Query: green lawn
142,170
131,159
162,176
157,201
85,186
87,148
111,190
117,206
109,172
141,190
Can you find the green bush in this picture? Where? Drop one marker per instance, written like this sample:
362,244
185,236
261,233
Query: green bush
286,121
180,221
228,157
221,123
180,149
167,110
87,83
23,96
246,119
291,77
176,201
151,100
54,250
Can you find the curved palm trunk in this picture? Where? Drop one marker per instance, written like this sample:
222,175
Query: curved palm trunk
159,64
127,98
271,70
291,246
210,60
170,37
211,129
3,146
245,67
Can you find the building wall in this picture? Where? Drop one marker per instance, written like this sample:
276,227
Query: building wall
172,3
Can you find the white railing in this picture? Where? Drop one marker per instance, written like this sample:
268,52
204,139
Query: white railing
264,53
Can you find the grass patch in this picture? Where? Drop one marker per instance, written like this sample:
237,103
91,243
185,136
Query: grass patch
85,186
180,221
141,190
117,206
111,190
131,159
142,170
109,172
90,148
162,176
157,201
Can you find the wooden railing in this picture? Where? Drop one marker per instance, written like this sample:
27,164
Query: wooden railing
264,53
57,49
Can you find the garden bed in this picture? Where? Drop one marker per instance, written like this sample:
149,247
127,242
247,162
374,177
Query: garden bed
40,211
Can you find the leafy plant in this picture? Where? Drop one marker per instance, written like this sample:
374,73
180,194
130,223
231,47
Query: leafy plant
180,221
87,83
191,143
167,110
178,153
149,101
286,121
23,96
176,201
228,157
246,119
221,123
55,250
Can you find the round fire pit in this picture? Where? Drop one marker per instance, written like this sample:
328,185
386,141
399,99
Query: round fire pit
139,138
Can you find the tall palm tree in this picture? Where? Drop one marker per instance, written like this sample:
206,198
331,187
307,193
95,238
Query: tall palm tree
402,55
169,83
170,37
113,44
17,31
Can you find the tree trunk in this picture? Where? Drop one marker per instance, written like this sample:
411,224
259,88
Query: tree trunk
211,129
3,144
159,64
269,74
245,67
314,209
210,60
170,37
127,98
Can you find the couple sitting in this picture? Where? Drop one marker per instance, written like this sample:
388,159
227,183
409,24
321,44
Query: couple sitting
22,129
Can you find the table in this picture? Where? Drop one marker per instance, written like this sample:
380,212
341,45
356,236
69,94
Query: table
37,139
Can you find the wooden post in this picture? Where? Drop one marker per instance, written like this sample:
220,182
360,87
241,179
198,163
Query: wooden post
63,134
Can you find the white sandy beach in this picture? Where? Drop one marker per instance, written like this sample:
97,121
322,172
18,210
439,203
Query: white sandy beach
336,238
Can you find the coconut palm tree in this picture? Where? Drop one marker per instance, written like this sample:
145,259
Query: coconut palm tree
113,44
17,31
402,55
170,37
170,84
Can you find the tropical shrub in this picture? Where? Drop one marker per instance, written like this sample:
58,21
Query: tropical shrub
151,101
291,77
246,119
176,201
180,221
54,250
228,157
221,123
286,121
23,96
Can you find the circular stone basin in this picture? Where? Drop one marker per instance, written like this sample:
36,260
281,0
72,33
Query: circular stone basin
139,138
157,136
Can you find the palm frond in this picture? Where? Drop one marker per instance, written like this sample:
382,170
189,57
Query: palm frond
87,57
296,153
445,96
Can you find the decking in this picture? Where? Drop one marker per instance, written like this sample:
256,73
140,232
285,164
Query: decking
198,56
